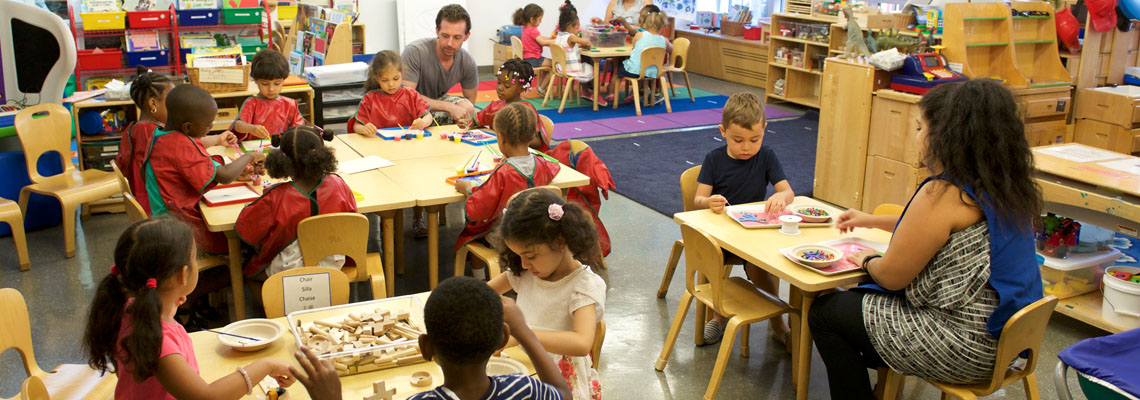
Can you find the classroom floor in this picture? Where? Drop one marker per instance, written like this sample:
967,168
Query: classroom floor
58,291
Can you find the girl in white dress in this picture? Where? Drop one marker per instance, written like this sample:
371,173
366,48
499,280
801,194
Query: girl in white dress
542,241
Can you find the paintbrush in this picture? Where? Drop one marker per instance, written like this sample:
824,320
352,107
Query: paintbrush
230,334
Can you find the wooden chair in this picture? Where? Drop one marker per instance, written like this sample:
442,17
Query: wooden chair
558,66
732,297
324,235
124,185
650,57
599,339
10,212
517,52
688,192
888,209
1023,332
677,63
46,128
488,255
273,292
34,389
547,129
135,213
66,380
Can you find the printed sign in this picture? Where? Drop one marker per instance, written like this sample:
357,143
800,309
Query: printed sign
306,292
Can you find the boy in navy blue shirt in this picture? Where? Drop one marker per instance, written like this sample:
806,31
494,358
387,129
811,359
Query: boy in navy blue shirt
738,173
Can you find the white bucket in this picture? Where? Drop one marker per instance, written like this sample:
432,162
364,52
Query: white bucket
1121,304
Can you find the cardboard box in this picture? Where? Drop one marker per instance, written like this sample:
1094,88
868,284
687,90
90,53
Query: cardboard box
1119,106
894,127
889,182
1107,136
869,19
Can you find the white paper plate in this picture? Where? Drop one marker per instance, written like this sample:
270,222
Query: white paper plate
504,366
260,328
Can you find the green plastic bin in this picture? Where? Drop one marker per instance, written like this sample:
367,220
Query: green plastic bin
241,16
252,48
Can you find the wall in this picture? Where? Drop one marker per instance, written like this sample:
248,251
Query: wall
486,16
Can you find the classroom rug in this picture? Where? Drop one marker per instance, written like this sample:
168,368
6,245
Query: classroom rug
647,168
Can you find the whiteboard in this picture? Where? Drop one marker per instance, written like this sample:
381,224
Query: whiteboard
416,19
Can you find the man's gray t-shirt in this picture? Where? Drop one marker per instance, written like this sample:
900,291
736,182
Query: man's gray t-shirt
432,81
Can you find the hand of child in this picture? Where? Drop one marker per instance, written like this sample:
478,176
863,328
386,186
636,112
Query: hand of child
857,258
513,316
246,173
256,157
260,132
463,123
717,203
776,203
367,130
585,46
418,124
281,371
458,112
463,187
596,21
852,219
227,138
318,376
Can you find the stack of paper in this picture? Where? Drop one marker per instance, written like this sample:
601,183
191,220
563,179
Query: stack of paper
363,164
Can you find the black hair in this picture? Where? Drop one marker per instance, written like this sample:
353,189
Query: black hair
301,154
976,135
519,69
528,13
453,13
567,15
380,62
527,220
269,64
515,123
155,248
652,8
148,85
185,103
464,319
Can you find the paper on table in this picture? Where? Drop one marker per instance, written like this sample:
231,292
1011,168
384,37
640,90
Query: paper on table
1079,153
363,164
229,194
255,145
1129,165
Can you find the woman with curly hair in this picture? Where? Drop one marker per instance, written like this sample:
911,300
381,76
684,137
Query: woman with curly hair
961,260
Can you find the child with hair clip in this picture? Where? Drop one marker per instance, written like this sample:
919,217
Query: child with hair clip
131,327
514,79
529,17
519,170
268,113
649,36
148,91
269,224
388,104
179,171
543,242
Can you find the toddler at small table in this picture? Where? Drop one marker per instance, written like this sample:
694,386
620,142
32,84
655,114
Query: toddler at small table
268,113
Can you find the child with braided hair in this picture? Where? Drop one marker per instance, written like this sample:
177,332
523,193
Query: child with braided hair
514,78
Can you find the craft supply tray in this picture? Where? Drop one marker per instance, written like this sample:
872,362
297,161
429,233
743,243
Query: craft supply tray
768,221
366,358
848,246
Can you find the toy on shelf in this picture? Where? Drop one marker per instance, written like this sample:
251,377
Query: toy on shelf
778,87
891,39
856,47
922,72
1055,235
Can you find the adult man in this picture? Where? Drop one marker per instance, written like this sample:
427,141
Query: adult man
436,64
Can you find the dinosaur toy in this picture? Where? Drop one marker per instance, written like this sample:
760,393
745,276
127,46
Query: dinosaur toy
890,39
856,46
872,45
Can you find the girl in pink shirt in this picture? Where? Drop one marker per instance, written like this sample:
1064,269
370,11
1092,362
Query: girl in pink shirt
131,327
529,18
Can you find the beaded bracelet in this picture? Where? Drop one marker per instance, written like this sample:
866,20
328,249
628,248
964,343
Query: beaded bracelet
248,382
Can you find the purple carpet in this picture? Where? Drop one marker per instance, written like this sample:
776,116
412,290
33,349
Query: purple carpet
631,124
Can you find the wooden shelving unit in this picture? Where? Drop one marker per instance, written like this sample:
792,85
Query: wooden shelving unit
730,58
979,36
1035,46
798,6
801,84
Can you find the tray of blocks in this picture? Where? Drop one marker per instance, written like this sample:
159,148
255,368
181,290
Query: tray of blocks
848,246
753,216
363,337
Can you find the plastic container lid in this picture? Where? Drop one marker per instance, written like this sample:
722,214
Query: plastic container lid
1134,71
1077,261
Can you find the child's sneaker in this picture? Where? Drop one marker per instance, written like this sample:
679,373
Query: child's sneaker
713,332
589,96
419,229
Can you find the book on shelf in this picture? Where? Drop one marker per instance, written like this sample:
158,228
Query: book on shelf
239,3
296,63
97,6
145,40
197,4
146,5
193,40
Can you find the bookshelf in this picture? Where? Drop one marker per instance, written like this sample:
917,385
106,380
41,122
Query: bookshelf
1035,46
800,80
980,37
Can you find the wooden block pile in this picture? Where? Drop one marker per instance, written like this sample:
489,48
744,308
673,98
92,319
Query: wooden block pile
362,334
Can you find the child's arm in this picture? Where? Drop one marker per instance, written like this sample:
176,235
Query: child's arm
781,198
580,41
544,366
705,199
255,130
364,129
577,343
422,122
319,376
227,173
500,283
543,40
226,138
182,382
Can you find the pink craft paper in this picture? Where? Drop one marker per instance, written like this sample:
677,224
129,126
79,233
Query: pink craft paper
767,219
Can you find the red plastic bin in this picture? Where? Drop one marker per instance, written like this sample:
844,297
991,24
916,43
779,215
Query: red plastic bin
107,59
148,19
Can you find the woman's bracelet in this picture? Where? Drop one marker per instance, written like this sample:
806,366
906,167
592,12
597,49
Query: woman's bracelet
248,382
867,261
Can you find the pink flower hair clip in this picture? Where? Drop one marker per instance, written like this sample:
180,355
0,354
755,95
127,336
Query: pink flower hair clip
555,211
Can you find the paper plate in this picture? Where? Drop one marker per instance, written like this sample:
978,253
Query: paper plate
504,366
265,330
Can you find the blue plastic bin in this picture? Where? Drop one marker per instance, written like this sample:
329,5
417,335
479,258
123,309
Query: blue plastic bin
43,211
148,58
199,17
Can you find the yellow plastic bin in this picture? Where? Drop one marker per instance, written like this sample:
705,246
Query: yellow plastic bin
104,21
287,13
1075,275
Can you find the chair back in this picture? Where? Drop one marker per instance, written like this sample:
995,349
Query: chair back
135,212
324,235
689,187
652,57
547,128
516,47
273,292
888,209
557,58
703,255
124,185
599,339
1023,332
16,331
44,128
680,53
39,52
34,389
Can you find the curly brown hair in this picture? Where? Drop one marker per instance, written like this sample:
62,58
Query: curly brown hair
301,154
527,220
976,137
515,123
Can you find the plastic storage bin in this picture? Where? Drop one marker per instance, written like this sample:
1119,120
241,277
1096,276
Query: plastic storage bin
106,59
356,359
241,16
286,13
1121,303
252,49
104,21
1078,274
606,38
148,19
148,58
202,17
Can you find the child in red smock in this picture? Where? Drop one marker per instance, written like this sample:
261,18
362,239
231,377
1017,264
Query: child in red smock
269,224
514,78
388,104
178,169
519,170
268,113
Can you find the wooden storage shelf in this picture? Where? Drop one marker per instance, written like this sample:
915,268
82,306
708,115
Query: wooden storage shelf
978,36
804,41
731,58
1086,308
804,101
810,71
990,44
801,85
994,18
1035,49
1034,42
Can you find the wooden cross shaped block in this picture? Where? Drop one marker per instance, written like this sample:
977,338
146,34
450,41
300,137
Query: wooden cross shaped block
381,391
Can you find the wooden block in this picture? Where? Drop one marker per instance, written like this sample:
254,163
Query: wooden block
403,316
381,392
412,359
420,379
354,316
404,352
340,366
326,324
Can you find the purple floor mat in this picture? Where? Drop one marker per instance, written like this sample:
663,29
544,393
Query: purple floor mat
631,124
581,129
695,117
639,123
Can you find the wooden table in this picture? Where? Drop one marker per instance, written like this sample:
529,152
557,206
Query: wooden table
1091,193
394,151
218,360
761,248
381,195
597,54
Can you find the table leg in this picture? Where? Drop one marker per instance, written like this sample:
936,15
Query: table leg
433,245
388,227
399,232
801,340
597,66
237,283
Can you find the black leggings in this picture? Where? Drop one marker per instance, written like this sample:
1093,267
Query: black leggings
836,322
